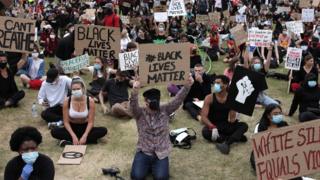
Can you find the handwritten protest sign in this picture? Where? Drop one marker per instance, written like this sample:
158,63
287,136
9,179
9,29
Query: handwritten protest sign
160,16
260,38
295,26
282,9
128,60
288,152
75,64
304,3
164,63
125,19
241,18
97,41
215,17
293,58
160,9
17,35
72,155
240,35
203,19
177,8
307,15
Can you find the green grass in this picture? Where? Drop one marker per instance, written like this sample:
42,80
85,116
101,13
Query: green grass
203,161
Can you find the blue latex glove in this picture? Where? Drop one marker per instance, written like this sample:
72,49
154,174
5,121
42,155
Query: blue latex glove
26,171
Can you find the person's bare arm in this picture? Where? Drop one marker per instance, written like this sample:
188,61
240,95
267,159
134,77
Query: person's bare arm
205,111
101,99
92,111
268,60
22,61
66,120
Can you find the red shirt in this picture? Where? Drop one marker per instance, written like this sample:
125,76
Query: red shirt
112,21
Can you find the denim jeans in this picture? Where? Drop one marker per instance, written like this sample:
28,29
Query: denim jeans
144,164
265,100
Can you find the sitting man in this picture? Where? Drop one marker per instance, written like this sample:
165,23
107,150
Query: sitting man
29,164
221,123
116,90
199,90
9,93
52,94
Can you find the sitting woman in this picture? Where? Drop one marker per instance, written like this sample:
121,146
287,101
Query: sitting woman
232,49
307,97
272,118
33,71
29,164
78,118
100,73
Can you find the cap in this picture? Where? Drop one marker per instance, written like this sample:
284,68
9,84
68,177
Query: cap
52,74
108,5
152,94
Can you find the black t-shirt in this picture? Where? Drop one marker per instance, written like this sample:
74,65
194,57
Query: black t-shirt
13,59
8,86
143,41
117,92
305,98
43,168
65,47
198,90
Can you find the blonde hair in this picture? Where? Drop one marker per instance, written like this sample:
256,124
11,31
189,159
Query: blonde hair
79,80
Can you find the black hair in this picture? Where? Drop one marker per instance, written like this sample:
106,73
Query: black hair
223,78
265,121
23,134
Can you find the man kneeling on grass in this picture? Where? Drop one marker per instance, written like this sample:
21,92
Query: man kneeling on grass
153,128
221,123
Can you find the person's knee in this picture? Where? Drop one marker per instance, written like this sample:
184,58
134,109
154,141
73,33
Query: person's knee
206,133
137,174
244,126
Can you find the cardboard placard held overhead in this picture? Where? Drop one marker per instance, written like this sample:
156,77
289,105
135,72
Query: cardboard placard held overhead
281,9
75,64
203,19
125,19
160,16
129,60
135,21
164,63
307,15
295,26
288,152
240,35
72,155
177,8
296,16
315,3
304,3
293,58
97,41
17,35
260,38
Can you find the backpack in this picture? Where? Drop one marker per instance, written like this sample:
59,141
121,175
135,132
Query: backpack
181,137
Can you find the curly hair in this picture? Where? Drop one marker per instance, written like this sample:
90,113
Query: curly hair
23,134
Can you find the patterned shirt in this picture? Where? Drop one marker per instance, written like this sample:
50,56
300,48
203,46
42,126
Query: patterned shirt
153,127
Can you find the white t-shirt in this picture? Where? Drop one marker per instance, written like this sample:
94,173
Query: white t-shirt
54,93
33,72
99,73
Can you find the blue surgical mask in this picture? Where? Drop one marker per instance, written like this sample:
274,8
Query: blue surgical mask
217,88
312,84
257,67
77,93
276,119
30,157
97,66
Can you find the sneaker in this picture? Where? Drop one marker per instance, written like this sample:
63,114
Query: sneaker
223,148
52,125
63,143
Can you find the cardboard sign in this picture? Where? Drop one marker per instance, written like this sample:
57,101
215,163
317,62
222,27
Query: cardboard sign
295,26
160,9
161,16
240,35
97,41
17,35
128,60
304,3
164,63
215,17
177,8
72,155
218,4
135,21
203,19
244,89
75,64
307,15
288,152
125,19
293,58
282,9
315,3
241,18
260,38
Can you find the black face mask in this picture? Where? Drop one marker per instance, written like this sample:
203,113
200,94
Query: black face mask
154,105
3,65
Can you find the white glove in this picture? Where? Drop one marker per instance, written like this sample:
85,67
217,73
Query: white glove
214,134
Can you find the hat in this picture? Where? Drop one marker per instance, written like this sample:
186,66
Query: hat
108,5
52,74
152,94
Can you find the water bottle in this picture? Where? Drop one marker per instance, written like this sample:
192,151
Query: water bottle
34,110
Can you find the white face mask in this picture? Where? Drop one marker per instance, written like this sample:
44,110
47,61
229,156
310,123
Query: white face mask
52,36
77,93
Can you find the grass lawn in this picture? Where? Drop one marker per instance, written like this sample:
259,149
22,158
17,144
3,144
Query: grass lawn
203,161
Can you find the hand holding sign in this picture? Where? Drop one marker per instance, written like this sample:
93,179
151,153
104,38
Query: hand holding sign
190,80
245,88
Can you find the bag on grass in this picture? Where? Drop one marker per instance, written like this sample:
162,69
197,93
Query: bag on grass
182,137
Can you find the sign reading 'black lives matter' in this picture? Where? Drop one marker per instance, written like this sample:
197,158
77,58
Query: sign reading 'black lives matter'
164,63
16,35
97,41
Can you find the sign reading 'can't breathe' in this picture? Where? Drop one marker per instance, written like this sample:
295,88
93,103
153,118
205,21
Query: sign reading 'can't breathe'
164,63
